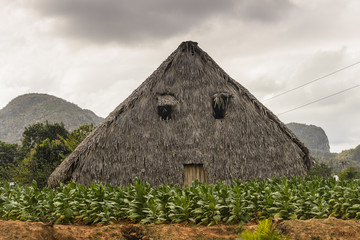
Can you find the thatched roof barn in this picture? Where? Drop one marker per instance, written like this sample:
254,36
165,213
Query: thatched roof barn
188,120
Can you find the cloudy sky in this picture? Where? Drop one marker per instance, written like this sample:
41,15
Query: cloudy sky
95,53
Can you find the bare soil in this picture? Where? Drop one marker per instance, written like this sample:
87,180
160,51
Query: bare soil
11,230
314,229
321,229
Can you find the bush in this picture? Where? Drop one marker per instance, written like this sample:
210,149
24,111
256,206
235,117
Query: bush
264,231
349,173
320,170
44,146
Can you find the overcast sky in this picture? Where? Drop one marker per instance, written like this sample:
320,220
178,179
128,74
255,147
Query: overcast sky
95,53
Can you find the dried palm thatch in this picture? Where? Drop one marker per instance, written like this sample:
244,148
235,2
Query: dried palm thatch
188,112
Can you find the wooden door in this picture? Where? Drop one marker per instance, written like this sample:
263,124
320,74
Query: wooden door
192,172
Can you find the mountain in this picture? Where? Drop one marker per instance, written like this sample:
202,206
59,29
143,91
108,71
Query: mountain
345,159
32,108
314,138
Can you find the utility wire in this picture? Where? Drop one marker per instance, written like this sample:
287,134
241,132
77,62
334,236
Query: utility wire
315,80
318,100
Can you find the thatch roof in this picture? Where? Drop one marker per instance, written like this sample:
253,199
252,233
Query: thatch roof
189,111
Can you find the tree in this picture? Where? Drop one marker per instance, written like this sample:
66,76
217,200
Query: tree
350,173
42,151
43,157
320,170
77,136
40,162
35,134
45,146
10,155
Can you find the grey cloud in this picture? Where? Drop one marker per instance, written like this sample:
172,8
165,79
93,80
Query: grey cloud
139,21
128,21
264,11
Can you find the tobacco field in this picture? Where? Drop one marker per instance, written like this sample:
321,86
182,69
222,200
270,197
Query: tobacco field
295,198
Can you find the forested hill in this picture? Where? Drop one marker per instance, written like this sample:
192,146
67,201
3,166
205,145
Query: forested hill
32,108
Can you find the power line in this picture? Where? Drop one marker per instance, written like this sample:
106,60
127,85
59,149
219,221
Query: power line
315,80
318,100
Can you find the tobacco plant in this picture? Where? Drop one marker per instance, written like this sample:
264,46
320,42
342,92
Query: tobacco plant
201,203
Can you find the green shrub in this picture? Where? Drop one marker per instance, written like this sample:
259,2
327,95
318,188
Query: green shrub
264,231
350,173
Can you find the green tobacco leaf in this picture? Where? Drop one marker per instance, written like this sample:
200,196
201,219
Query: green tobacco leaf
68,213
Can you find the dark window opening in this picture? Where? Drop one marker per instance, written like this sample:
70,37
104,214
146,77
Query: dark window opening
220,103
166,106
165,112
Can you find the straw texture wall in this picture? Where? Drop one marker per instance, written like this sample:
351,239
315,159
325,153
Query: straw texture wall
136,140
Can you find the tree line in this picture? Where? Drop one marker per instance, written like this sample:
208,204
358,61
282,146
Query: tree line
43,147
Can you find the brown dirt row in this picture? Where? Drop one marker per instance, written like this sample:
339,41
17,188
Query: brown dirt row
314,229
